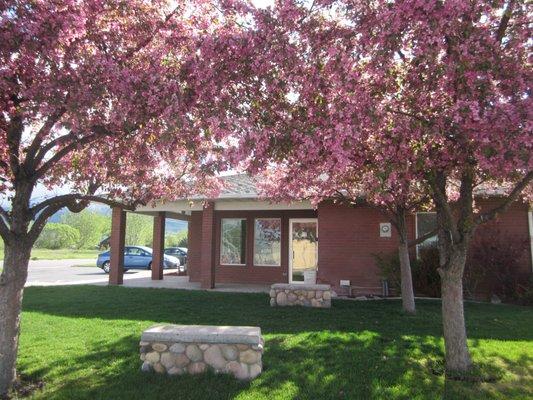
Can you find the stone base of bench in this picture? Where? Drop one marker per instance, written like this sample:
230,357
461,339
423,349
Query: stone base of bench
193,349
294,294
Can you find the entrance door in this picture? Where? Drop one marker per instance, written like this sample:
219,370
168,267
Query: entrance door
303,250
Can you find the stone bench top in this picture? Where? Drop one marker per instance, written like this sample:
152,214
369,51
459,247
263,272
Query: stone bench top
203,334
299,286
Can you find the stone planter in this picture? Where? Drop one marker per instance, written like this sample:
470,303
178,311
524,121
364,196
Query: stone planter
295,294
181,349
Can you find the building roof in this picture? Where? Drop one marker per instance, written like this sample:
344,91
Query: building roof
243,186
238,186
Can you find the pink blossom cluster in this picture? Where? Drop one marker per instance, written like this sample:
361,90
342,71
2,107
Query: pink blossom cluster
375,97
128,97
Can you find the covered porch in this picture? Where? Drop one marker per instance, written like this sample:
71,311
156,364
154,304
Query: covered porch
234,239
160,215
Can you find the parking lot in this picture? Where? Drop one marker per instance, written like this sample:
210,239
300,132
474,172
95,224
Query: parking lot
71,272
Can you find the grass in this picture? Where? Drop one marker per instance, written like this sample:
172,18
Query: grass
59,254
83,342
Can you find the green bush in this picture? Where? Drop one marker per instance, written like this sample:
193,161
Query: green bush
139,230
389,267
58,236
92,226
494,263
426,280
176,239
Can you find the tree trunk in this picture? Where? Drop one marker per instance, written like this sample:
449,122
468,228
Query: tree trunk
457,354
408,296
12,280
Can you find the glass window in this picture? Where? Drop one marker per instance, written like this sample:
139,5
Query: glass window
425,223
133,251
233,241
267,242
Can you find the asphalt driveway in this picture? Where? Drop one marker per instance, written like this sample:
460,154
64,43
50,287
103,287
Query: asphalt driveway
71,272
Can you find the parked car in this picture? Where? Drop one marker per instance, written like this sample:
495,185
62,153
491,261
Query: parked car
136,257
180,253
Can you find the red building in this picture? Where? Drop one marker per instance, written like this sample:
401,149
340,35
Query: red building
240,238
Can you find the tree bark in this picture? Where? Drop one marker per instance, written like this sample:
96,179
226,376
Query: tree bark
408,296
458,358
12,280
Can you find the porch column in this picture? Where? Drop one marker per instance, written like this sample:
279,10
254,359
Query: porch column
207,265
118,234
158,246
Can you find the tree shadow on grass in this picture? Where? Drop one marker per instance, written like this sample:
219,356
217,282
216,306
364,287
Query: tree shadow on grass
484,321
317,365
356,350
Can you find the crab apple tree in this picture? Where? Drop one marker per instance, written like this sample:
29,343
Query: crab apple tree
118,102
437,92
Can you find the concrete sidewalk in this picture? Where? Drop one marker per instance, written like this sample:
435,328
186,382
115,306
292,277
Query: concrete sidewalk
69,272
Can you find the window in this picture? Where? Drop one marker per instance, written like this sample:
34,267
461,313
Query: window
267,242
134,251
425,223
233,241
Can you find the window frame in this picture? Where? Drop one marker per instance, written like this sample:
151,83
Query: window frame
416,231
245,244
280,241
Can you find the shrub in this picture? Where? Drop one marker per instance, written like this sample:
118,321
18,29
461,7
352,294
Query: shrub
389,267
139,230
176,239
91,225
58,236
426,280
525,292
494,261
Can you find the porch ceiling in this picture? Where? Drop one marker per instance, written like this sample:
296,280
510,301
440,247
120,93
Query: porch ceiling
184,207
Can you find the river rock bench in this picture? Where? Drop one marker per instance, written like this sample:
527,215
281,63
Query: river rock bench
180,349
298,294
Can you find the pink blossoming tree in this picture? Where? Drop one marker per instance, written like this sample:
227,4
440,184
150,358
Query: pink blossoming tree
436,92
111,101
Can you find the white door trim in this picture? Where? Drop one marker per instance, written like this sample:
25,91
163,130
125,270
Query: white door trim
291,220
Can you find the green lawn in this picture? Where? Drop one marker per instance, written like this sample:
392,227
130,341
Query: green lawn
60,254
83,342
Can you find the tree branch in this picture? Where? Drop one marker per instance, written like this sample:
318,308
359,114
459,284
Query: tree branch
43,150
14,135
35,147
66,199
438,186
504,22
40,222
98,131
148,40
513,196
4,220
410,115
75,202
422,238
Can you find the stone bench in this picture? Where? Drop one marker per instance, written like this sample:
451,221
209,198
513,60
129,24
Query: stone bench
296,294
180,349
